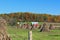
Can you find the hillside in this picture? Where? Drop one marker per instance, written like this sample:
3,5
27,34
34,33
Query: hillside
29,17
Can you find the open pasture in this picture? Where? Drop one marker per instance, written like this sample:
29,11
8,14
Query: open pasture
22,34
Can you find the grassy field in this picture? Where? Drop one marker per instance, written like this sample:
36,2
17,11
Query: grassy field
22,34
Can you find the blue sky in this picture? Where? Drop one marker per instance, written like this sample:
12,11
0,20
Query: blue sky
35,6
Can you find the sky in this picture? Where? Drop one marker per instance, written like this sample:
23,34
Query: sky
34,6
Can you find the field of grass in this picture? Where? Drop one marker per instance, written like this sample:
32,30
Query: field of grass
22,34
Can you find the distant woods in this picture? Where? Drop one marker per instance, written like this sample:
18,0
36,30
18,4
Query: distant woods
12,18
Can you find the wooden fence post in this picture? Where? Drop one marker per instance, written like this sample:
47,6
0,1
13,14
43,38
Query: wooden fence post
30,35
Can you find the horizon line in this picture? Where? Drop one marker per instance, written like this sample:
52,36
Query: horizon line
29,12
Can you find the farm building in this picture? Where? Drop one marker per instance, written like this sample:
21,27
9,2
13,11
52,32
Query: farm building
35,24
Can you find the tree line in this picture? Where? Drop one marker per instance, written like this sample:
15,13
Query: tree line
12,18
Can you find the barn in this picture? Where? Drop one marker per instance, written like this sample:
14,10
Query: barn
35,24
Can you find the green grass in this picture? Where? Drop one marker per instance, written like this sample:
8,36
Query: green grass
22,34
